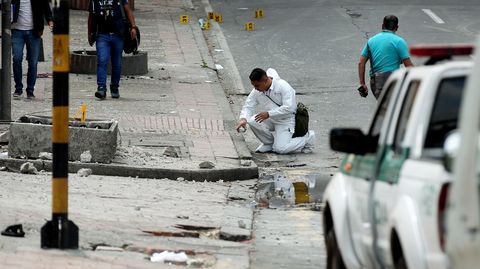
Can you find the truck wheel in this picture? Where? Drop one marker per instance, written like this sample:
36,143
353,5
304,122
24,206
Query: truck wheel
400,263
334,258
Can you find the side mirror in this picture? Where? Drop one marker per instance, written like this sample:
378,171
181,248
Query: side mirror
451,147
353,141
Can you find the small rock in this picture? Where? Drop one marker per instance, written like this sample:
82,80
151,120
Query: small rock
45,156
84,172
195,263
86,157
180,179
3,168
138,208
182,217
267,164
28,168
206,165
170,152
245,163
242,224
3,155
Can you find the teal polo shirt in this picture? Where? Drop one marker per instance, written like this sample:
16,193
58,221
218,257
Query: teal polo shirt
388,52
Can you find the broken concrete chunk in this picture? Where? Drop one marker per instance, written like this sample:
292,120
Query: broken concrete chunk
3,155
206,165
28,168
170,152
180,178
4,137
108,248
86,157
245,163
84,172
168,256
45,156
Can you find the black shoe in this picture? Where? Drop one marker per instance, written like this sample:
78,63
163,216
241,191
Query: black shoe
30,95
17,94
115,93
101,93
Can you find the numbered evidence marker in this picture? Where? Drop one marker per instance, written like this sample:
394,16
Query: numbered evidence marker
206,25
211,15
249,26
218,17
184,19
259,13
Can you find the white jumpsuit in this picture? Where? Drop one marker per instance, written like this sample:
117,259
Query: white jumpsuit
276,132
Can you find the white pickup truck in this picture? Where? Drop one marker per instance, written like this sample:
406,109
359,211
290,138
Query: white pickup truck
385,207
463,211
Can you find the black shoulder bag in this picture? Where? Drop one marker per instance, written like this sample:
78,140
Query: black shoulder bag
129,45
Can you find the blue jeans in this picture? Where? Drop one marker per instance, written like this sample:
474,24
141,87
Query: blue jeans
20,38
109,46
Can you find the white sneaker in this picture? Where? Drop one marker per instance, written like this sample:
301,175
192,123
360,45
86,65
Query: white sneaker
310,144
264,148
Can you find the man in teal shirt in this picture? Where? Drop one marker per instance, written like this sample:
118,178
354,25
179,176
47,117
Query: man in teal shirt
386,51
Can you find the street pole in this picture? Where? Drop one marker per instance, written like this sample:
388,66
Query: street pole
60,232
5,79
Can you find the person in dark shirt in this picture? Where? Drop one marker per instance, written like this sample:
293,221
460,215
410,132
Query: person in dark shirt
106,27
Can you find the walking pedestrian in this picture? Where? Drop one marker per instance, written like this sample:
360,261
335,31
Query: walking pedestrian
274,125
106,27
27,29
386,51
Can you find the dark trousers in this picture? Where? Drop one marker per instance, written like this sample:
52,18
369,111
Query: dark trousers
377,81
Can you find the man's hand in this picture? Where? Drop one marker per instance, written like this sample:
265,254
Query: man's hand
241,124
50,25
133,33
260,117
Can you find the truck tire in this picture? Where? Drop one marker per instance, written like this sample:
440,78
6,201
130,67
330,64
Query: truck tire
334,257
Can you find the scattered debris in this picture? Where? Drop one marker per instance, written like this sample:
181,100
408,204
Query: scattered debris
218,66
174,234
167,256
108,248
245,163
170,152
194,227
14,231
84,172
44,75
4,137
86,157
206,165
180,178
3,168
28,168
3,155
218,50
182,217
235,198
45,156
196,263
241,224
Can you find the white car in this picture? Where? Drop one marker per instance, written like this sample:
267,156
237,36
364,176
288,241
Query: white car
463,212
385,207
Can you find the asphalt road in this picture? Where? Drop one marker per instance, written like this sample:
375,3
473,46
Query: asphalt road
315,46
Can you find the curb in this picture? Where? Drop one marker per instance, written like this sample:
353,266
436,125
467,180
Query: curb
228,174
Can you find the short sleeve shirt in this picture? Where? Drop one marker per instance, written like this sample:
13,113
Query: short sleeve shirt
388,52
104,11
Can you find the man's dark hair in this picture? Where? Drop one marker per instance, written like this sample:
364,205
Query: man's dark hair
390,22
257,74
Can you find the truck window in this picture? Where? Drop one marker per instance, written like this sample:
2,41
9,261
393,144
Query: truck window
444,118
405,114
382,110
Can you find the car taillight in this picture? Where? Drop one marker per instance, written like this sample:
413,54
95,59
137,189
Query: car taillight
442,205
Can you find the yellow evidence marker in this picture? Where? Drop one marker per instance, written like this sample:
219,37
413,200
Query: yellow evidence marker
206,25
259,13
211,15
249,26
81,113
218,17
184,19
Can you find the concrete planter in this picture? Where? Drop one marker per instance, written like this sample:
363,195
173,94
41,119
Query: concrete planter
85,62
33,134
83,4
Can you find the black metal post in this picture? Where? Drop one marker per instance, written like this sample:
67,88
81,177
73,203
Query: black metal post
60,232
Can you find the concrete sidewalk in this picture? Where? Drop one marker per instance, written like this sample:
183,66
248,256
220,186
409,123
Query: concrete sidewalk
179,104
